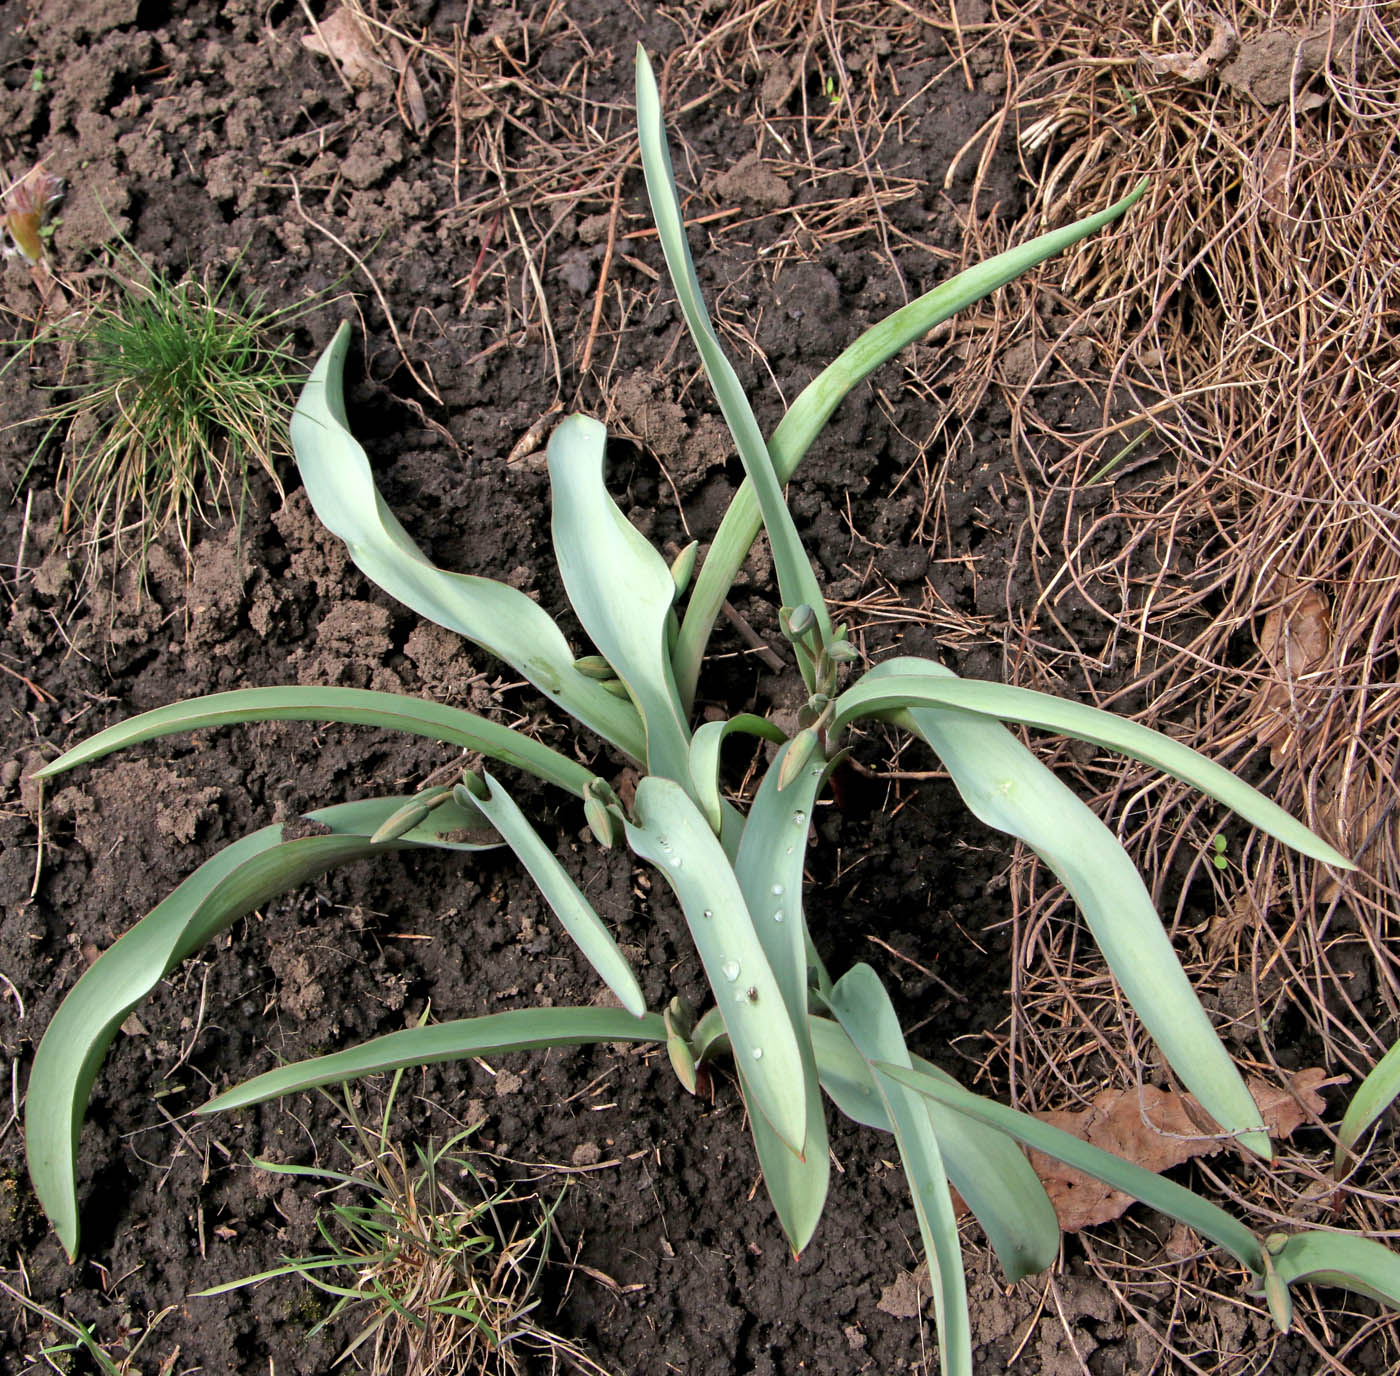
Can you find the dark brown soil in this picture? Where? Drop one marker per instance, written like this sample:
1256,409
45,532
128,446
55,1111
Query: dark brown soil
192,130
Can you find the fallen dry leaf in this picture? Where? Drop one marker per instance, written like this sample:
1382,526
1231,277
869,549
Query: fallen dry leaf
1156,1129
1295,641
1356,799
412,107
343,37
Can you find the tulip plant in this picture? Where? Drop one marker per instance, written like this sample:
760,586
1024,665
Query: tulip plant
793,1031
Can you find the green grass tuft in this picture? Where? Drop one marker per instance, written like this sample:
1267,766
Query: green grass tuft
180,395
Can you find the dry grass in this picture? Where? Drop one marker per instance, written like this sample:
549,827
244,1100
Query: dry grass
1222,538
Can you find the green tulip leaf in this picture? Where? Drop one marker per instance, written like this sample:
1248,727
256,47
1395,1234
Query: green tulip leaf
1006,787
862,1007
495,1034
391,711
671,832
570,906
499,618
620,587
240,878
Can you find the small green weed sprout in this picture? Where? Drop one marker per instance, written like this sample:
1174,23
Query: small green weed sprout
425,1255
179,395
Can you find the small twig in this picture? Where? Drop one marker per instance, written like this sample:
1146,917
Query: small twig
28,683
603,272
922,969
326,47
753,640
379,294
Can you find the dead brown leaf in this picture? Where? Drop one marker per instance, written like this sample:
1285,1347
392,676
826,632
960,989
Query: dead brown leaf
343,37
1229,924
1295,641
412,107
1156,1129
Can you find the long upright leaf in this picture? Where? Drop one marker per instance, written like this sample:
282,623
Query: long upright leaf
561,893
769,870
986,1167
620,587
235,881
519,1029
864,1011
671,831
922,683
1006,787
494,615
813,407
392,711
795,577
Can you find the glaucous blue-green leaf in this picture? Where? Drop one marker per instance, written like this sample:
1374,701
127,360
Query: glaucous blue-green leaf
813,407
669,829
796,580
619,586
1373,1096
1359,1264
797,1185
862,1007
986,1167
561,893
1005,786
499,618
392,711
520,1029
234,882
934,686
769,870
1164,1195
704,757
